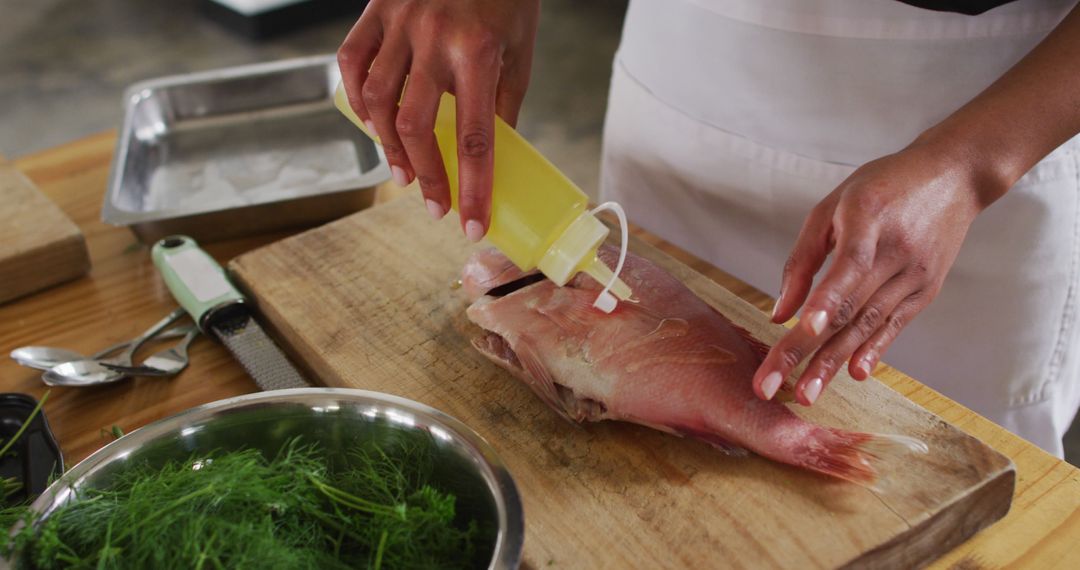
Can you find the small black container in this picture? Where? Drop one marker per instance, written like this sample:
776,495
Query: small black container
35,459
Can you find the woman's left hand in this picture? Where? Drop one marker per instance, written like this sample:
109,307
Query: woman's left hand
894,228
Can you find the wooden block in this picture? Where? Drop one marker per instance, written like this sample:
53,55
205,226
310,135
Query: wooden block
39,245
367,302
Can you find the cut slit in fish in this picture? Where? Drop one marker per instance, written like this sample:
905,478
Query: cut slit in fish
519,283
670,362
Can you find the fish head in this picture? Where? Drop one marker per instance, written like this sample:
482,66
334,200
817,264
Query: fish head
548,314
547,336
562,320
488,269
543,335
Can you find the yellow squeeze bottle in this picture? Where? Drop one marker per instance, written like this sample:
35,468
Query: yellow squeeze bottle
539,218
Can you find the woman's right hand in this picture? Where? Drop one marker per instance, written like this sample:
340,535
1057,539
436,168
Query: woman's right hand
479,50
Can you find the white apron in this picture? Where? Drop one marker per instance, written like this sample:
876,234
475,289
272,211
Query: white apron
729,120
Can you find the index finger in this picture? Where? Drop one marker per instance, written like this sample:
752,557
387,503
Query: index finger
354,58
476,149
807,256
847,286
836,299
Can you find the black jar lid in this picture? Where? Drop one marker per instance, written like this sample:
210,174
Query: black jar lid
35,459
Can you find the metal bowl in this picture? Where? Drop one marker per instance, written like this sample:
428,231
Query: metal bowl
332,417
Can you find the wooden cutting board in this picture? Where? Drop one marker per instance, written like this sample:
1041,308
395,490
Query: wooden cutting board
39,245
367,302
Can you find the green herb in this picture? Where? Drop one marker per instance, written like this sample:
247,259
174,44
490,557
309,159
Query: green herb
115,432
298,509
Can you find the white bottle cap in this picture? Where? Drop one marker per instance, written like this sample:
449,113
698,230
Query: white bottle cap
578,243
606,302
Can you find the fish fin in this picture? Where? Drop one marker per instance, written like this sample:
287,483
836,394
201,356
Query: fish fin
569,311
760,348
708,437
539,378
727,448
496,349
854,456
658,427
714,440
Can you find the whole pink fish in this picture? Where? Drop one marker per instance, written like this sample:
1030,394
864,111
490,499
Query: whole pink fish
669,361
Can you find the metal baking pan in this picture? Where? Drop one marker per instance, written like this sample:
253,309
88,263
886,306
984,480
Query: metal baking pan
238,151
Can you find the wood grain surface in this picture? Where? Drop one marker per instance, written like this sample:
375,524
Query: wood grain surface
39,245
123,294
366,302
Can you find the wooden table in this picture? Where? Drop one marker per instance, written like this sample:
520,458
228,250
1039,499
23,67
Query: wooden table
123,295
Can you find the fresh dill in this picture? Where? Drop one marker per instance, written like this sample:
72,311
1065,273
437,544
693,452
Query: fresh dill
115,432
300,508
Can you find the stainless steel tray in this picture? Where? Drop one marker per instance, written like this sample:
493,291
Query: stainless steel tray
237,151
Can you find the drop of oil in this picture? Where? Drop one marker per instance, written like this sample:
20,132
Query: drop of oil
455,284
669,328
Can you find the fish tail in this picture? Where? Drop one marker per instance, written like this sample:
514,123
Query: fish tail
855,456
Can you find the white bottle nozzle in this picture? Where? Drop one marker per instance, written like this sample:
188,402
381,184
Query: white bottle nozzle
604,275
605,301
575,250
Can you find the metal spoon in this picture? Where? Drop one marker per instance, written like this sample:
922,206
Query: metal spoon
45,357
90,372
168,362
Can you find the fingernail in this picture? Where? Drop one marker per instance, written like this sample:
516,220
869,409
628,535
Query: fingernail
771,384
435,209
818,320
812,390
474,230
400,178
776,307
371,128
867,364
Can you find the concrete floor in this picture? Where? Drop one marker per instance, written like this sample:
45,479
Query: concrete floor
65,64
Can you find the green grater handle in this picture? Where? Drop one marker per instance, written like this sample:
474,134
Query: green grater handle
193,277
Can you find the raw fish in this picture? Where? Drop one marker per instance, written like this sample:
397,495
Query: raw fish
668,361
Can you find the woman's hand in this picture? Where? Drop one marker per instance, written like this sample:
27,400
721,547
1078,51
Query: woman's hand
896,224
479,50
894,228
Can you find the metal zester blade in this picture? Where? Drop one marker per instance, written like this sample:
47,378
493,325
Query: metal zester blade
201,287
259,356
